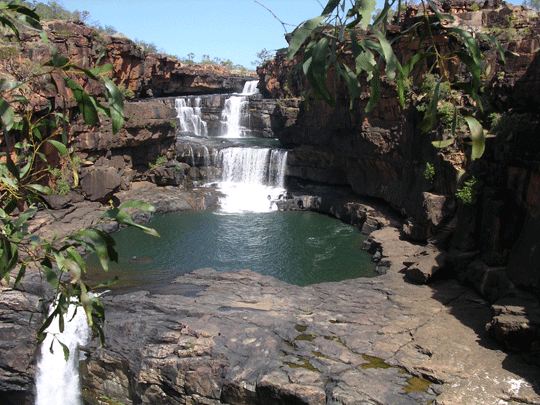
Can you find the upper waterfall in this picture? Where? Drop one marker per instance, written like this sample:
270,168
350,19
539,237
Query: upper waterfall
250,88
235,115
190,116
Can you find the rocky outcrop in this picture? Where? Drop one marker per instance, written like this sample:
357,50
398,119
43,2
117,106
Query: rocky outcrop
137,73
112,162
383,155
244,338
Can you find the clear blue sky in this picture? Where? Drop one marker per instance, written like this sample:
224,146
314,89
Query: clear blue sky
227,29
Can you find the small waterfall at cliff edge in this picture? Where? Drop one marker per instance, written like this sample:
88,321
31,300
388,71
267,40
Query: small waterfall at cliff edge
252,179
235,114
189,116
57,380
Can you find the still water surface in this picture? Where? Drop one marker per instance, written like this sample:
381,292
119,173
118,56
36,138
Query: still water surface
300,248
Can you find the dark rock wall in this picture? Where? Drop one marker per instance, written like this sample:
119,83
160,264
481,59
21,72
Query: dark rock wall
383,155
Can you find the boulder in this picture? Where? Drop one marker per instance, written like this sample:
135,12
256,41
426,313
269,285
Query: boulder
169,174
516,322
424,264
100,183
56,202
492,282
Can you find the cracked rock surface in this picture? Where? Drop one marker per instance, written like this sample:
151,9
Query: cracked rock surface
244,338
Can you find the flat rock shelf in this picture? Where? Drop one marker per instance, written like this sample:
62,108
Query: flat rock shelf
245,338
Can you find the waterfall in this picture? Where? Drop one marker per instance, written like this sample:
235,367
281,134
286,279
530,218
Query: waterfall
207,162
235,114
252,178
250,88
190,116
57,380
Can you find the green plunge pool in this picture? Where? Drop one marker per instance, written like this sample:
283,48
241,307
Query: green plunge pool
300,248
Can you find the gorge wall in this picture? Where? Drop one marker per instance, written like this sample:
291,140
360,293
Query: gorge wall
138,73
383,155
379,155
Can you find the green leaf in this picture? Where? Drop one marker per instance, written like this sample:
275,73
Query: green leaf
64,348
478,137
301,34
388,53
409,66
87,304
353,85
52,279
58,61
443,144
29,21
103,244
40,189
60,146
366,62
87,72
76,257
317,70
8,85
25,216
25,169
367,7
330,7
375,91
497,45
84,101
20,275
123,218
8,252
7,23
46,324
24,10
470,42
474,68
99,70
381,17
430,117
108,283
6,114
439,15
116,105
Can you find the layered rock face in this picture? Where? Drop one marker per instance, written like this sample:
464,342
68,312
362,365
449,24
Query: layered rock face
144,75
384,155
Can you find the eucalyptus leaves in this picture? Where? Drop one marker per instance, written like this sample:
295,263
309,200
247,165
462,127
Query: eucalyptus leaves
345,39
27,128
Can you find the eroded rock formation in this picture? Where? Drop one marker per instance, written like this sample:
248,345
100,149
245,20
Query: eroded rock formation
383,155
139,74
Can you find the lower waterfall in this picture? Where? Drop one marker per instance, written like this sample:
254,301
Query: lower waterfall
57,380
252,178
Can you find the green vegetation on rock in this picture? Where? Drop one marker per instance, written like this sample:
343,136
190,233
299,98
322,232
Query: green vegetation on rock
334,45
29,132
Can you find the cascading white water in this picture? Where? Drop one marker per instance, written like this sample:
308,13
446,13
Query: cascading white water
190,116
57,380
250,88
235,114
252,178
